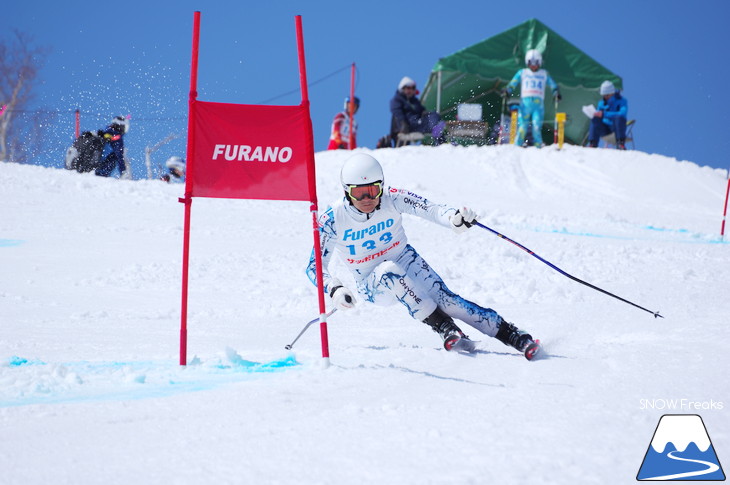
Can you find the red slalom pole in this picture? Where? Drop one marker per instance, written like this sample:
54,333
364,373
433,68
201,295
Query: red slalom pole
351,108
77,120
312,191
188,199
724,210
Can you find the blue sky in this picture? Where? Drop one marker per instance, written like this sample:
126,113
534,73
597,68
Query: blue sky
134,58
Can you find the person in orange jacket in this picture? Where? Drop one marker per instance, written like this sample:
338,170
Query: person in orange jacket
340,137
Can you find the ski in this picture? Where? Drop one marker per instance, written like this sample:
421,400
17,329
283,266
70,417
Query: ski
456,343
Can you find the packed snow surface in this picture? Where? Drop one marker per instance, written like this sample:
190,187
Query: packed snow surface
90,282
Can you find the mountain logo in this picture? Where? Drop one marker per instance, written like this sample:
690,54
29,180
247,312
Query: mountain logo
680,450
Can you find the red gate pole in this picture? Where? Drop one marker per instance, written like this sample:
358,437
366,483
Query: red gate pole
351,107
312,190
724,211
188,199
77,131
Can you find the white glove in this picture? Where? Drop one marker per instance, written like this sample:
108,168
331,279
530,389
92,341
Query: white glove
342,298
463,219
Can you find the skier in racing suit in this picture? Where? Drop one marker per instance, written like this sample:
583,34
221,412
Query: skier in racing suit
365,228
532,93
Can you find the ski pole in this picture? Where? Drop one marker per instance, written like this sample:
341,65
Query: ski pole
555,124
501,120
288,347
724,208
656,314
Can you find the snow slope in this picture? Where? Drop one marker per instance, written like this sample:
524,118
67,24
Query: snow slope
90,389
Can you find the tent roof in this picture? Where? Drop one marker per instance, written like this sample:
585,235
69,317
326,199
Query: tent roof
477,73
502,55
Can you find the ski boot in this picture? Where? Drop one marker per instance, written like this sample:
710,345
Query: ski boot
454,338
510,335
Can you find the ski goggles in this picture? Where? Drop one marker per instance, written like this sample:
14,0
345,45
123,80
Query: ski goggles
360,192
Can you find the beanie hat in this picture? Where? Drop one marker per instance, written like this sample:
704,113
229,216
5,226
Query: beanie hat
122,123
406,81
175,163
607,88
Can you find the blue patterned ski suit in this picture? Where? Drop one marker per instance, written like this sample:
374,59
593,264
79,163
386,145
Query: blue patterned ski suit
532,102
385,267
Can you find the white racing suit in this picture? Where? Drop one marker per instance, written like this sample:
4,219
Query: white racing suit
385,267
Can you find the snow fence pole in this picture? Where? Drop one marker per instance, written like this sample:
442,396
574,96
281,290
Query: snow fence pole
501,120
656,314
724,210
555,120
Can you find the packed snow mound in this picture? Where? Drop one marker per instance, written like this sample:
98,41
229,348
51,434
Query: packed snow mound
90,317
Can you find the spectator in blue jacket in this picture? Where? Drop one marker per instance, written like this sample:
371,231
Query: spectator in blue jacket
409,115
610,116
114,148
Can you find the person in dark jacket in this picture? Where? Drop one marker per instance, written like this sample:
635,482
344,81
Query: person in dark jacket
114,136
610,116
409,115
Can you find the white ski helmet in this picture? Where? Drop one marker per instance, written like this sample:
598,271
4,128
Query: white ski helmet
607,88
360,169
533,57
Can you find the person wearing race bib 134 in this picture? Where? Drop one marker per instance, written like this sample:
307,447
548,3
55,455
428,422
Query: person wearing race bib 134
365,228
533,80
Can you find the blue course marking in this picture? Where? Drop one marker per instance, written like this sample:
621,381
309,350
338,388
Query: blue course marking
16,361
566,232
125,381
6,243
687,237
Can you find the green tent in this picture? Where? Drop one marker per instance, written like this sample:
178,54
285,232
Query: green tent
477,74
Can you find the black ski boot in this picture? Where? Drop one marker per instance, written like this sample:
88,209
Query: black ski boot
510,335
444,325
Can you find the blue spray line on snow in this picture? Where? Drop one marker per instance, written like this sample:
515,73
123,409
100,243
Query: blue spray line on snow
697,237
16,361
7,243
127,381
